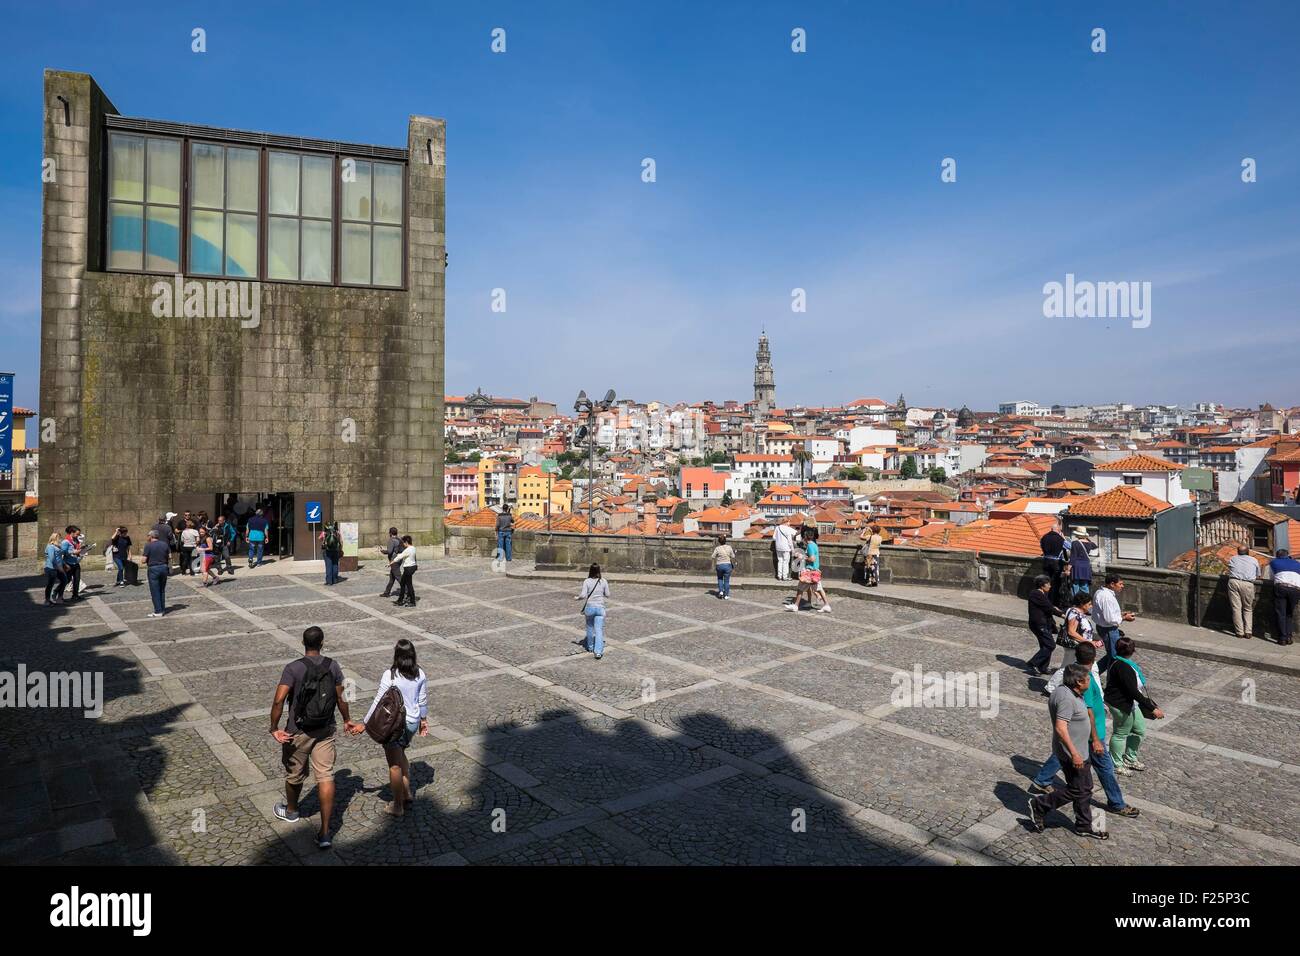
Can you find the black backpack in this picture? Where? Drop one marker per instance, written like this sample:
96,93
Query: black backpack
313,704
332,541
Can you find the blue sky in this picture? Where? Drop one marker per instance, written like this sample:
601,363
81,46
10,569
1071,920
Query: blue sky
775,170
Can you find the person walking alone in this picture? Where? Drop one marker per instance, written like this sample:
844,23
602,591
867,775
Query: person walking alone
332,548
1243,572
724,559
594,592
257,526
505,532
406,563
158,561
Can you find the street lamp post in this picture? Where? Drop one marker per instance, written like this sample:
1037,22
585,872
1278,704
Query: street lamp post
585,406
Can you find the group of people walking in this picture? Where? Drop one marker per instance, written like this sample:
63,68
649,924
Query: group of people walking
63,554
1078,704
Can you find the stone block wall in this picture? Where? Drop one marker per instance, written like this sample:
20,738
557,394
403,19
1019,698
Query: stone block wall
1152,592
146,408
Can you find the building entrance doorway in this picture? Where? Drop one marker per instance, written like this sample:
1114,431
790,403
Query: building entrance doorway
240,507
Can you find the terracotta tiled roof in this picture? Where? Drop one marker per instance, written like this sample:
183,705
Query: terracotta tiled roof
1120,502
1068,485
1018,535
1258,512
1140,463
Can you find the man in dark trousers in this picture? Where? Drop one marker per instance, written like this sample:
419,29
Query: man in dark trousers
394,573
1074,735
1042,624
1052,545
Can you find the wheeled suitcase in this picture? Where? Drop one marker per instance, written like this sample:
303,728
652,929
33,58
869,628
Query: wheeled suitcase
131,572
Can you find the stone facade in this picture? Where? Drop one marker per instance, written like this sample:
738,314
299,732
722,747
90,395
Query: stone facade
149,408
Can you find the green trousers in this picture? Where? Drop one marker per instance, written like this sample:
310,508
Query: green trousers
1127,731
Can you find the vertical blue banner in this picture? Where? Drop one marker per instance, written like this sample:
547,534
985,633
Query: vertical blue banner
6,421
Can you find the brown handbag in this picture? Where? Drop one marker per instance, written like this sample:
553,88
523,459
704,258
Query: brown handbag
388,722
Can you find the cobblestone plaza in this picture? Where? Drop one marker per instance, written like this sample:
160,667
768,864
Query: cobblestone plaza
711,733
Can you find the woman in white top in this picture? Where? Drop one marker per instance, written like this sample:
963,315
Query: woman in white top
405,561
412,684
595,589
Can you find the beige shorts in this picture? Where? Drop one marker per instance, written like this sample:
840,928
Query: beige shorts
314,747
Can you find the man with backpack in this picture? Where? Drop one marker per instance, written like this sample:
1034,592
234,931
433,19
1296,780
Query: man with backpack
332,546
312,686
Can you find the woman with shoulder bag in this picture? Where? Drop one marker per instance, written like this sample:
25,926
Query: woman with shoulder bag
1126,699
593,594
1077,626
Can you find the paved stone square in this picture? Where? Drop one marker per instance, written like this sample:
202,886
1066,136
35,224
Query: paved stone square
713,732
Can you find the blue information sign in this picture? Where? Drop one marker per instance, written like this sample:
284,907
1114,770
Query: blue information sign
313,512
6,421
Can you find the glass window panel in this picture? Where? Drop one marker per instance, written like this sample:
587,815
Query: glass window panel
356,193
206,242
388,193
355,267
241,179
388,255
317,252
163,238
207,175
125,235
241,245
283,175
318,186
126,167
282,248
165,171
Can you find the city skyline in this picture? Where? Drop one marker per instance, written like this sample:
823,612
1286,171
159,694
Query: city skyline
778,171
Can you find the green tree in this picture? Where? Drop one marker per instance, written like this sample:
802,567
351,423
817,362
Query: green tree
854,473
681,511
474,456
453,458
758,490
938,475
726,497
909,467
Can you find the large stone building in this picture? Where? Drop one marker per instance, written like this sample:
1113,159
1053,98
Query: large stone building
227,313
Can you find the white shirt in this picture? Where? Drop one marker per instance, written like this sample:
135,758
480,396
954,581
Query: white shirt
414,695
406,557
189,538
1105,609
783,536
